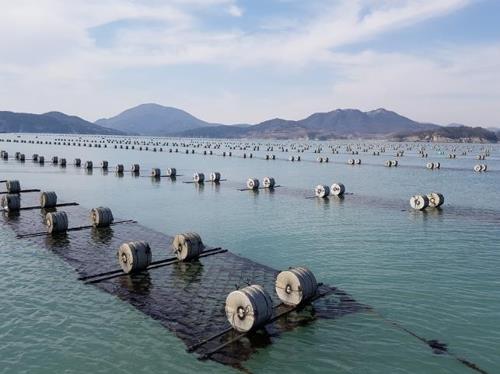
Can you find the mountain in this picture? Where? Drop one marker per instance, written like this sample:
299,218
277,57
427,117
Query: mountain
157,120
52,122
154,120
461,134
340,123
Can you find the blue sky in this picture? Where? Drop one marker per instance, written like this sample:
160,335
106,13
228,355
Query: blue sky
235,61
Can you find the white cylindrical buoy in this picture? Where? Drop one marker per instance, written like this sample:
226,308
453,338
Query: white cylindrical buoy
10,202
171,172
268,182
337,189
199,177
248,308
135,168
430,165
134,256
435,199
56,222
13,186
296,285
187,246
350,161
437,165
484,167
419,202
101,217
322,190
394,163
215,177
253,183
358,162
156,172
48,199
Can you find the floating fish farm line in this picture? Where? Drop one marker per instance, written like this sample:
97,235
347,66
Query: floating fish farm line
224,307
321,192
226,148
417,202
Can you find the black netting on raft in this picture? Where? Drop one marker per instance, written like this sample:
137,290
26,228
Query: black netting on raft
186,298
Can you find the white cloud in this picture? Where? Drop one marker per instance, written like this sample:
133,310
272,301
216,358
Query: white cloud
235,10
49,60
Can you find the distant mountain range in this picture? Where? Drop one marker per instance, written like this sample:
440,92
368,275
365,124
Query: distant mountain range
154,120
157,120
52,122
340,123
457,133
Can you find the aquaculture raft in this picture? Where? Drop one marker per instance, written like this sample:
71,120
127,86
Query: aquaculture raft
186,297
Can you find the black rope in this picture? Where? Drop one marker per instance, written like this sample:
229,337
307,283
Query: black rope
79,228
260,188
56,206
121,273
436,346
118,271
22,191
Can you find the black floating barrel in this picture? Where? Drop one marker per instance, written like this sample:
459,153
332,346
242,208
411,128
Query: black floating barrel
101,217
56,222
48,199
134,256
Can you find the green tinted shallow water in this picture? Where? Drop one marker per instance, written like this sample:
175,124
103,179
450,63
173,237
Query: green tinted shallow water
436,273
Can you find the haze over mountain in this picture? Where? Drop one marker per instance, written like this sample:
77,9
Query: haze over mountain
153,119
52,122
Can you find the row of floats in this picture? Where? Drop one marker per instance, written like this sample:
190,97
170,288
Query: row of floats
152,143
12,202
55,160
246,309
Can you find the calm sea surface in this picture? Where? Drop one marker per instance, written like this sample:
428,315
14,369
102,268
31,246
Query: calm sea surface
435,272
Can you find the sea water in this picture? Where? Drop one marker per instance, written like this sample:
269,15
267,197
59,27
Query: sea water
435,272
